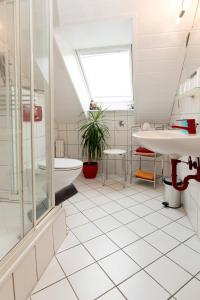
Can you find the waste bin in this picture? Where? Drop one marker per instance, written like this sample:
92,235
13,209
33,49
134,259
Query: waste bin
171,195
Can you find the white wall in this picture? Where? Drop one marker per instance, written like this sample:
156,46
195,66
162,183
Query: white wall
4,149
70,88
158,44
190,108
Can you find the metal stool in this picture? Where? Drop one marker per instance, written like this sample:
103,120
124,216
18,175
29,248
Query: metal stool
110,152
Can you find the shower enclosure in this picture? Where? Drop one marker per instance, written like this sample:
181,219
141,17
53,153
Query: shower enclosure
26,188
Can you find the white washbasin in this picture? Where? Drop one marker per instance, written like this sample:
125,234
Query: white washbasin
171,142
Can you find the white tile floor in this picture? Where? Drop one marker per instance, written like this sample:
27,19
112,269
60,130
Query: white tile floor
122,244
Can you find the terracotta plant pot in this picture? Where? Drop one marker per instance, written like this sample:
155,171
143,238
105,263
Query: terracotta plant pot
90,169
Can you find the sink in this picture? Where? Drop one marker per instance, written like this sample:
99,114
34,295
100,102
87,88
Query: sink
170,142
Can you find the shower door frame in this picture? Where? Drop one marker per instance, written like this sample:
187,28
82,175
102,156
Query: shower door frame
18,94
51,121
17,73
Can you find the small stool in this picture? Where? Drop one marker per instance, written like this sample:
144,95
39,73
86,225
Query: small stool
108,152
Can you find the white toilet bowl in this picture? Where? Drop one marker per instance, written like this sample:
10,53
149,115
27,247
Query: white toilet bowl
66,170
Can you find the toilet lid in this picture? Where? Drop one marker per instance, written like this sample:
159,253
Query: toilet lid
63,164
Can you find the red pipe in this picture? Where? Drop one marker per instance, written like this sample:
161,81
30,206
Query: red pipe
185,183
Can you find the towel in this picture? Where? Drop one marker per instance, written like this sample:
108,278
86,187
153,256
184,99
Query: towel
144,174
143,150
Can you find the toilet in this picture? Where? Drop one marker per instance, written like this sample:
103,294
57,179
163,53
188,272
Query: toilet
66,171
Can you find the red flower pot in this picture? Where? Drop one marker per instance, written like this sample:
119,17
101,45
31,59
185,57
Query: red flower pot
90,169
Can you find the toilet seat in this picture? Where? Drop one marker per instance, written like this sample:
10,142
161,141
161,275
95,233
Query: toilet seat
63,164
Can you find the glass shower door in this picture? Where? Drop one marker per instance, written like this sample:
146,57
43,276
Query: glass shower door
42,104
11,230
25,118
26,107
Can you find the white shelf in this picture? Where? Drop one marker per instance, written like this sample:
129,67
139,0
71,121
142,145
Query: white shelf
191,93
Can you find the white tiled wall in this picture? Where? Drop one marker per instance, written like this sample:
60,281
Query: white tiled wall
120,137
4,184
5,145
189,108
39,144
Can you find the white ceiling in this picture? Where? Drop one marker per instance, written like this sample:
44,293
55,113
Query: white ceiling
158,44
99,33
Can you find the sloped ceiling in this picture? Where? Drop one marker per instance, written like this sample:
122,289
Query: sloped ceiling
158,45
67,105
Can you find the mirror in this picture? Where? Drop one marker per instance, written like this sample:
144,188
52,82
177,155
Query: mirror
192,58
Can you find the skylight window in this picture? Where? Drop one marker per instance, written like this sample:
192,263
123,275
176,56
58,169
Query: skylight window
108,76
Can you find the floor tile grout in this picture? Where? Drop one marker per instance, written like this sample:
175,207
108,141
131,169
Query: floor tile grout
67,278
122,225
140,238
172,221
163,255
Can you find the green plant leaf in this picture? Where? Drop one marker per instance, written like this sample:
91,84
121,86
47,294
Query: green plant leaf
94,134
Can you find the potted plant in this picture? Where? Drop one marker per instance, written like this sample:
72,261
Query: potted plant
94,134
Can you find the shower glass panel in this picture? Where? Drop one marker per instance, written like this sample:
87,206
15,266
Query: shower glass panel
11,230
41,62
25,118
25,86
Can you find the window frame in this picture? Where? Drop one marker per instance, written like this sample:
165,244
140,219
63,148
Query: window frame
108,49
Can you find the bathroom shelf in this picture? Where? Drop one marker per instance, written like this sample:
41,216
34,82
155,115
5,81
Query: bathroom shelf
147,154
152,157
191,93
149,180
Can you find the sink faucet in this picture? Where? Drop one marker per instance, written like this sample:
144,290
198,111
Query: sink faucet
191,125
